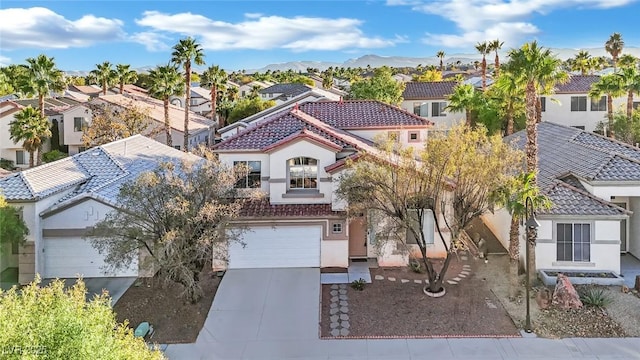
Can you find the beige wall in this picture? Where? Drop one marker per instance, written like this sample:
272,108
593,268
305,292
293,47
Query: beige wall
68,134
559,111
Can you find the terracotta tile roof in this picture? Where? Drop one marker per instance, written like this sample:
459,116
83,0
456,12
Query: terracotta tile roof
262,208
428,90
577,84
362,114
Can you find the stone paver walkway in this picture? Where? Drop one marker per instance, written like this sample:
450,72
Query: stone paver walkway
339,310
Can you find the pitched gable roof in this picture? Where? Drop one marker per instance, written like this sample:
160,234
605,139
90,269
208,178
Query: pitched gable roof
362,114
577,84
292,89
428,90
568,154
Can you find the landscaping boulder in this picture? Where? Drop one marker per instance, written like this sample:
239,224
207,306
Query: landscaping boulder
543,298
565,295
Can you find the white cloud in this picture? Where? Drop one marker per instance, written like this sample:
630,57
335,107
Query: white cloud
252,15
480,20
39,27
152,41
298,33
4,61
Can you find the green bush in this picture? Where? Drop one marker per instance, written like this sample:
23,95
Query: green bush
53,323
53,155
7,164
358,284
415,266
592,296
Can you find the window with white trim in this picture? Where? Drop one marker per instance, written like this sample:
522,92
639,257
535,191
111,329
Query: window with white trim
303,173
578,103
20,158
336,228
252,179
599,104
79,124
437,108
573,241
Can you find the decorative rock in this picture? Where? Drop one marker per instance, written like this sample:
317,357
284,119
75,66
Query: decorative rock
343,297
342,291
456,279
334,287
334,318
334,299
344,303
417,281
391,279
462,275
543,298
344,332
334,325
344,317
333,305
335,332
343,286
333,292
379,277
464,272
345,324
464,258
404,281
451,282
344,309
565,295
466,266
333,311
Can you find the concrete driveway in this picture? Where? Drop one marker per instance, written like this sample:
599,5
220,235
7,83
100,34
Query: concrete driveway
116,286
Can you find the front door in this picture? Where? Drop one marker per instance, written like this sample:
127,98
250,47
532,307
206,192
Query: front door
358,237
623,230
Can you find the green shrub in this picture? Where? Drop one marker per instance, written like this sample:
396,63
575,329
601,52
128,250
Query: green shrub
53,323
592,296
53,155
415,266
358,284
7,164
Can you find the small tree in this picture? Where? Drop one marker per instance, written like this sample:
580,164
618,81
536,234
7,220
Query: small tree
453,177
381,87
180,214
111,123
13,230
53,323
247,107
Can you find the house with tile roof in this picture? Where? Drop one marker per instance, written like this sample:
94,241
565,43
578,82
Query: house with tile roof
62,199
571,105
282,92
201,130
244,90
200,101
429,100
594,184
296,156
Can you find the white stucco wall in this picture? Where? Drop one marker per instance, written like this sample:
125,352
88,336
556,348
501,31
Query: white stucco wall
229,158
334,253
404,135
499,223
79,216
607,191
337,204
560,113
445,122
633,240
279,177
68,134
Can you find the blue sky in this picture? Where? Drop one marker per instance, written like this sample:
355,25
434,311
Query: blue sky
250,34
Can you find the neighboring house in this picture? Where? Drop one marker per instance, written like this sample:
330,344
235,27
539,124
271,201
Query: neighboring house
311,96
89,90
594,184
282,92
244,90
429,100
67,113
402,78
296,157
571,104
62,199
201,130
200,101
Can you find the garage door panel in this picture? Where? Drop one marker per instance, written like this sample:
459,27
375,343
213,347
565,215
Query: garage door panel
283,246
70,257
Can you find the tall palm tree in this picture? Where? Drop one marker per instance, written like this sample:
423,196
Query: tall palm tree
611,86
327,78
630,81
538,69
32,129
495,46
508,90
582,62
103,74
614,47
628,60
125,75
440,54
254,92
464,98
484,48
184,52
41,77
214,78
166,81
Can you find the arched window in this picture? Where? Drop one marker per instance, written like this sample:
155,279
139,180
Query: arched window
303,173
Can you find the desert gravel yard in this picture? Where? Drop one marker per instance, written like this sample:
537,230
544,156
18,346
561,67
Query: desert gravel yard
388,308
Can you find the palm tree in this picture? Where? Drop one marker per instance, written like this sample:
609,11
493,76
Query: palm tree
483,48
539,70
166,81
630,81
104,74
41,77
628,60
582,62
254,92
509,92
464,98
214,78
125,75
496,45
185,51
440,54
327,78
614,47
611,86
32,129
513,197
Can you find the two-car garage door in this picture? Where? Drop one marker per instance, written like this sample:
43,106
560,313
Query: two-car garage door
278,246
69,257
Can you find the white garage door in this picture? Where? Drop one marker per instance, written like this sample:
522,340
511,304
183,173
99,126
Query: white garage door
70,257
280,246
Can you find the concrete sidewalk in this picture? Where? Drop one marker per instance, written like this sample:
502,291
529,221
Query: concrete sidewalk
274,314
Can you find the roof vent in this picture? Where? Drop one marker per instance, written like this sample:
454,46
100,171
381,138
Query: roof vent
95,153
